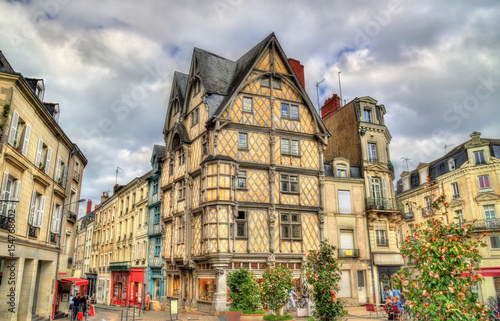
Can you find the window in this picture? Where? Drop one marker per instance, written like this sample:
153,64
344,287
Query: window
289,111
60,174
242,179
484,182
181,157
154,190
381,238
489,212
346,240
56,219
479,157
372,152
264,82
36,209
19,134
289,183
180,230
241,224
344,202
495,242
459,216
9,191
410,210
243,141
41,150
341,171
290,226
454,188
247,105
290,147
451,164
368,115
196,86
205,145
176,106
182,190
428,203
195,116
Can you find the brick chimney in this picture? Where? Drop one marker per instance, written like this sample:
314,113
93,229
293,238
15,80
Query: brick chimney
89,206
299,70
330,106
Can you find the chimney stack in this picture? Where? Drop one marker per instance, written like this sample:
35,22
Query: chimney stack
330,106
104,197
89,206
299,70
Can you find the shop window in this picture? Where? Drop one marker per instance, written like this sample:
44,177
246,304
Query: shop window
207,289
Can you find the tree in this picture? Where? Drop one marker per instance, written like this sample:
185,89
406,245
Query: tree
244,290
276,282
446,256
323,273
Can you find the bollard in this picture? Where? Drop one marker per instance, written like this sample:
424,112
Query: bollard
133,315
121,318
126,318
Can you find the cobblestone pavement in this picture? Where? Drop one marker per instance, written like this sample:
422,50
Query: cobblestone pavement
112,313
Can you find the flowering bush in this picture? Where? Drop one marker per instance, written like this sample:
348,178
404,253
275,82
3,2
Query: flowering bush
244,290
438,286
323,273
276,283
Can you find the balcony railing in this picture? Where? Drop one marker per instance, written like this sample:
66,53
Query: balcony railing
120,266
71,216
343,253
32,231
489,224
382,243
4,222
382,203
53,237
70,261
409,216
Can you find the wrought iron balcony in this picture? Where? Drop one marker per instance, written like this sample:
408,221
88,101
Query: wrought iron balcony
346,253
409,216
4,222
382,242
32,231
71,217
489,224
382,203
53,237
120,266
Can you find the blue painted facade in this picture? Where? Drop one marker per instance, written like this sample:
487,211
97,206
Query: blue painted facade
155,238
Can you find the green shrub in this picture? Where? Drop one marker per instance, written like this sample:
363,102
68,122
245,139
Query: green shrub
244,290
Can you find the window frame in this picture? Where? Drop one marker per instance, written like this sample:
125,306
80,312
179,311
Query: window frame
244,107
367,111
288,110
181,190
479,157
451,164
290,225
372,158
455,190
341,168
195,116
489,212
241,177
287,178
244,221
289,151
482,179
383,242
240,145
498,242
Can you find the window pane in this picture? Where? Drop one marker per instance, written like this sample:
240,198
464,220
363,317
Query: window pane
240,229
479,157
284,186
344,202
294,187
294,112
495,242
484,182
368,117
285,231
264,82
295,218
285,147
295,147
372,154
241,215
247,104
489,212
284,217
293,178
296,231
241,182
276,84
284,111
242,141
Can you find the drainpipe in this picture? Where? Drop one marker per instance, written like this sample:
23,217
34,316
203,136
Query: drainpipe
367,219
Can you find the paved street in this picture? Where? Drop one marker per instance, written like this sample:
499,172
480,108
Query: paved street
111,313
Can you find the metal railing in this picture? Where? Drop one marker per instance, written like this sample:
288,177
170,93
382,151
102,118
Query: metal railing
382,242
409,216
71,216
382,203
32,231
346,253
488,224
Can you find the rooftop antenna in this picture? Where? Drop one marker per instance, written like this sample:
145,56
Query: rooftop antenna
117,168
405,160
446,147
317,91
340,88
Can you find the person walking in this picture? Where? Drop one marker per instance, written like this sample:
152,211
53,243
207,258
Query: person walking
76,306
147,301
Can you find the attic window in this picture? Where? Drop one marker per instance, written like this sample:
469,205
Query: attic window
265,81
451,164
176,106
196,86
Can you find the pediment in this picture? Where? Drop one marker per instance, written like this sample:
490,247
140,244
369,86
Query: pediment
377,168
487,198
422,165
456,203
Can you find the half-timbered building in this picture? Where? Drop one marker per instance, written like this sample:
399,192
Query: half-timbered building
243,174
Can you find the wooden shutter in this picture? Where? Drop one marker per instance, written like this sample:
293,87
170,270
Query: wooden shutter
3,193
39,150
382,182
13,127
47,160
26,141
15,194
41,206
32,208
54,219
58,170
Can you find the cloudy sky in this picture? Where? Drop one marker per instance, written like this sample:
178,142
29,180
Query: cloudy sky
435,65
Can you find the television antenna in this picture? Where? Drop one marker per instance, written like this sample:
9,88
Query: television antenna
117,168
317,91
406,160
446,147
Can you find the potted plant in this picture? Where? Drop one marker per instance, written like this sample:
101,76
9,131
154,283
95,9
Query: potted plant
277,281
244,294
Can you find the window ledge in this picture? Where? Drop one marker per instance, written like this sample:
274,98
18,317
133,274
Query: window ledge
292,193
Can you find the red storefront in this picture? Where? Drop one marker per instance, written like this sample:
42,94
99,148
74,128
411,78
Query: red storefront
63,294
128,287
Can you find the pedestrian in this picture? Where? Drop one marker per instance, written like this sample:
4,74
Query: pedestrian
291,303
84,301
387,292
388,307
76,306
395,293
147,301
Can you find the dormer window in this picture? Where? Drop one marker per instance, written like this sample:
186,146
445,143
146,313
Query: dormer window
479,157
367,113
341,171
451,164
423,176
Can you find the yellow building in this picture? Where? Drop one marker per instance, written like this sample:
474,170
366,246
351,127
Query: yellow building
243,173
359,147
120,244
469,176
40,189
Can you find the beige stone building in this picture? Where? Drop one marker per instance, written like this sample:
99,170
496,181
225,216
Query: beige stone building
40,189
345,227
360,145
469,175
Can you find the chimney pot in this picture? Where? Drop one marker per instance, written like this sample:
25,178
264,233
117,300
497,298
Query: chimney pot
298,68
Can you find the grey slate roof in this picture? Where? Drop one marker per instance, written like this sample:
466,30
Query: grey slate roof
4,64
159,150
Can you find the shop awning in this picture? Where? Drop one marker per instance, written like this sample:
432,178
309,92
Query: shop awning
487,271
77,281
